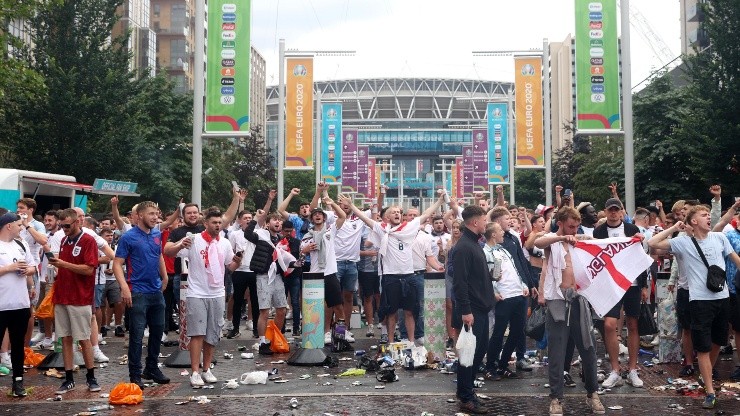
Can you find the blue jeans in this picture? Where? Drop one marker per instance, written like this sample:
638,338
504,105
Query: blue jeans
147,309
347,275
417,284
293,288
176,289
466,375
511,312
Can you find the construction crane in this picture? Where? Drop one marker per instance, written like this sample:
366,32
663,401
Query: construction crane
656,43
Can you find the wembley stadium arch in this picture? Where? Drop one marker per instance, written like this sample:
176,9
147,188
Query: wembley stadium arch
412,125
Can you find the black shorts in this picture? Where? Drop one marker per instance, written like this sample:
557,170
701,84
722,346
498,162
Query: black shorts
631,302
709,323
735,311
332,291
398,293
682,308
369,283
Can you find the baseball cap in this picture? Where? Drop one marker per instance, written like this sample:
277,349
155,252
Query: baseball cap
613,202
8,217
315,210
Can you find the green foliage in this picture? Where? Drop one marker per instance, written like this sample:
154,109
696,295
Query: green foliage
254,169
530,187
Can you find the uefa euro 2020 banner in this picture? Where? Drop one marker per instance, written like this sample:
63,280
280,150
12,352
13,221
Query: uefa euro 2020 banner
299,113
498,143
227,70
331,143
597,66
528,86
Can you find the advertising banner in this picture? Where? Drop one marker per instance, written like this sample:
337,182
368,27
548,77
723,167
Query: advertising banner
227,71
312,311
299,113
350,159
597,66
468,173
373,180
480,160
331,143
363,178
530,150
457,175
498,143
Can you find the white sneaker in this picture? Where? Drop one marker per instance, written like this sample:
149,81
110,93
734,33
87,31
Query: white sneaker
349,337
327,338
623,350
146,332
613,380
289,315
164,337
196,380
228,326
634,379
208,377
5,359
46,344
38,337
99,356
249,326
419,341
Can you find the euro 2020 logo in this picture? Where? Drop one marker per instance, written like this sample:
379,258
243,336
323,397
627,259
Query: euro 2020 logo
300,71
527,70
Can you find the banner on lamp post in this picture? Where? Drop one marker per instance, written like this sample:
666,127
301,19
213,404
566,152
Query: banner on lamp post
299,114
227,66
468,173
530,150
597,66
498,143
331,143
480,160
363,170
350,159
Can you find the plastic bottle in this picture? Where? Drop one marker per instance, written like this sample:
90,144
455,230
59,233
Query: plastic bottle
100,407
340,329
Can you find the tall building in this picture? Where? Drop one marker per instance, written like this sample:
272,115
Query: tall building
693,35
174,23
258,90
562,92
142,41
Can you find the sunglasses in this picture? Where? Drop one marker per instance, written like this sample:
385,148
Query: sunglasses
66,226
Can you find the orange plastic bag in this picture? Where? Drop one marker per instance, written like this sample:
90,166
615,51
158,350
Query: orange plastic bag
45,310
126,393
32,357
278,343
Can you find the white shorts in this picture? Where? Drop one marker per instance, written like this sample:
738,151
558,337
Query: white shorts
270,295
73,321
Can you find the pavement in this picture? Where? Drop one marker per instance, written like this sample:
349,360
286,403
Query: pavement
416,391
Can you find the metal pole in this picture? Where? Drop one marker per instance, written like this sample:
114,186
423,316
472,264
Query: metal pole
629,145
281,122
317,137
198,96
400,184
547,121
512,155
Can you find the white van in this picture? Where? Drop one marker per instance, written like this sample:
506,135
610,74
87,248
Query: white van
51,191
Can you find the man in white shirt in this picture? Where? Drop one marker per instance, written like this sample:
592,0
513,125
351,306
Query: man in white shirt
208,256
396,267
34,234
320,243
243,278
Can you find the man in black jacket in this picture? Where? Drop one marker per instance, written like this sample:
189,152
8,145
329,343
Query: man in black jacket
615,227
473,290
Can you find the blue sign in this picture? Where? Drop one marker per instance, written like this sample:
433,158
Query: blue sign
498,143
114,187
331,143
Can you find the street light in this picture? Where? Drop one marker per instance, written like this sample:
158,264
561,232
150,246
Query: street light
281,108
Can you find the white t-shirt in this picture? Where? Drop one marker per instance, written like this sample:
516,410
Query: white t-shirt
198,284
100,276
32,244
330,238
510,284
422,247
398,258
589,231
347,244
13,288
445,238
715,248
239,243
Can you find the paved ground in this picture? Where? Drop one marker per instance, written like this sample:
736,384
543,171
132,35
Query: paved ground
414,393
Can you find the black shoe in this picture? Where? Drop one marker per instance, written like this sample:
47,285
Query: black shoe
104,331
18,390
119,332
233,334
568,380
67,386
265,349
686,371
155,375
448,344
473,407
138,382
735,376
92,384
727,349
297,332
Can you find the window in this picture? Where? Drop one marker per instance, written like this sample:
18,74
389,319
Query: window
156,8
178,18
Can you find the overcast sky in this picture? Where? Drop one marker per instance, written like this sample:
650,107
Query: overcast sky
433,38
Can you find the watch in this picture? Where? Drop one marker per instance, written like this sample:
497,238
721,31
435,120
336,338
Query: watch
27,227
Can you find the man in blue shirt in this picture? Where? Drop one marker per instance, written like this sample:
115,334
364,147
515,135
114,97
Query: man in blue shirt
141,290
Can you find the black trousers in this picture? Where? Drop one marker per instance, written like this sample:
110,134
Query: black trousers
16,322
169,304
242,281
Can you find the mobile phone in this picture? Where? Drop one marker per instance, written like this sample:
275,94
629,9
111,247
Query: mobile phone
238,253
235,186
49,255
568,193
652,204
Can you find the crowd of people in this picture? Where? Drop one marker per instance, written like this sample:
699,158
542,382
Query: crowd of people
122,274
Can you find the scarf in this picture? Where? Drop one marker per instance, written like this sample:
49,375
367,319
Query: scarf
280,256
318,238
214,260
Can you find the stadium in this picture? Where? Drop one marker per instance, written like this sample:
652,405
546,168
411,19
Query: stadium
416,126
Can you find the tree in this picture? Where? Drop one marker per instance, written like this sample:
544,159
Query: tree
565,163
530,187
254,168
597,169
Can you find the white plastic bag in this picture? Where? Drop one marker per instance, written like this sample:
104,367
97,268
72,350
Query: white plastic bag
419,354
255,377
466,347
667,321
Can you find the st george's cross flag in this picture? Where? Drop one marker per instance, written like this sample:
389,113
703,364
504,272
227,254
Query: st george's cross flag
604,269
